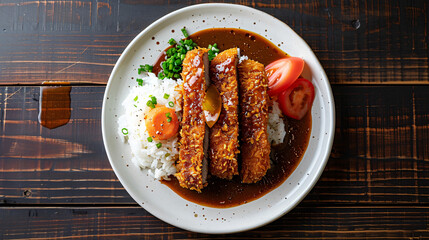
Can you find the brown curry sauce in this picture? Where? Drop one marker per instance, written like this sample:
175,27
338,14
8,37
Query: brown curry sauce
285,157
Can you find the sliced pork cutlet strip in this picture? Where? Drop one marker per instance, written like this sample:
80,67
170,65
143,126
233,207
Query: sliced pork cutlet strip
192,164
254,101
224,133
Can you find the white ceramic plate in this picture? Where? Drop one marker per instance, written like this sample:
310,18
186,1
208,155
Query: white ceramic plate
158,199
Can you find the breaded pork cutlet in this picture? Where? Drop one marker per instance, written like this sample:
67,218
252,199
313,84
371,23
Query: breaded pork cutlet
192,164
224,133
255,148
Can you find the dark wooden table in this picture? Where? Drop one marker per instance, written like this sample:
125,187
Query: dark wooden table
59,184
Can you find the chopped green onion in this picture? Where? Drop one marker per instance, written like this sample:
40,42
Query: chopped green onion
213,51
166,96
171,41
145,68
169,119
159,145
185,33
211,56
149,139
161,75
177,69
135,105
124,131
153,100
150,104
135,99
139,81
164,64
170,52
171,104
172,66
168,114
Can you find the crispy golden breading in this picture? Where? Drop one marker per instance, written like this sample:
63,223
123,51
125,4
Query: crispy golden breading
255,148
191,153
224,133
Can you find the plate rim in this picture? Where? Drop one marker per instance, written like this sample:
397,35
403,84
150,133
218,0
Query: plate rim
330,128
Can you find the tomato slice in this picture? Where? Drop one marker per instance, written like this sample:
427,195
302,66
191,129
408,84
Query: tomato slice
297,100
282,73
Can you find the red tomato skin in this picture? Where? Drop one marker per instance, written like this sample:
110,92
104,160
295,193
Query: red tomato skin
283,73
297,105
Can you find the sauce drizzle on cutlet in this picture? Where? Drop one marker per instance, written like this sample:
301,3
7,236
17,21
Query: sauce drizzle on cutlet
285,158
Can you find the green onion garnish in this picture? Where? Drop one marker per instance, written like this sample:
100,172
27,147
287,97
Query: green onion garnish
145,68
166,96
153,100
213,51
171,104
171,41
150,104
135,105
177,69
161,75
159,145
168,115
124,131
172,66
185,33
139,81
135,99
149,139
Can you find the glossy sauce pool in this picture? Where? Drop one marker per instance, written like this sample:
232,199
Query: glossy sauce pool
285,158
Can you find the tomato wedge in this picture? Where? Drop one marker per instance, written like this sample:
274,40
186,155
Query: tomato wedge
282,73
297,100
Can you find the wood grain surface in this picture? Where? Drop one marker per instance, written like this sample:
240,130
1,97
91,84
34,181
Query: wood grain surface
58,183
306,222
357,42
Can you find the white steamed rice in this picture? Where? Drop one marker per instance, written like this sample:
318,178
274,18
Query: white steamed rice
146,155
276,127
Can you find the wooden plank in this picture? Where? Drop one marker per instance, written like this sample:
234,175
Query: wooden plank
357,42
310,222
70,158
380,153
380,149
